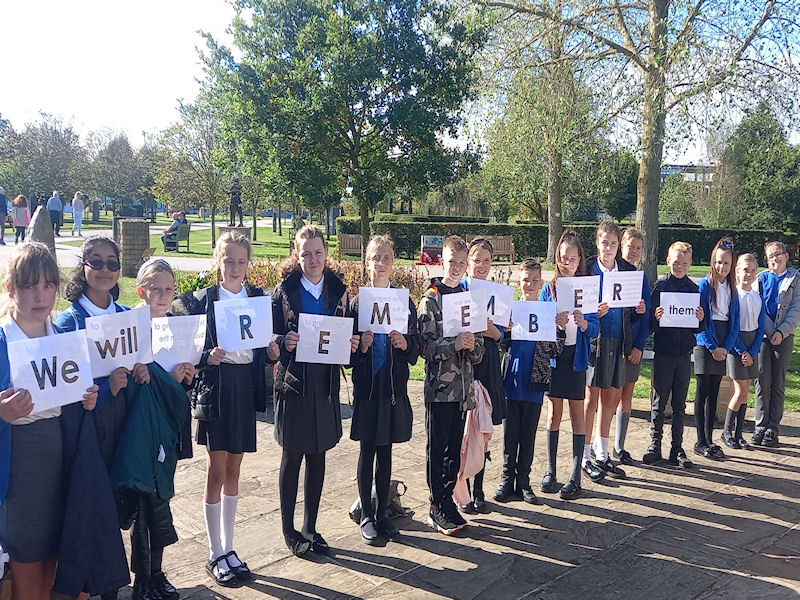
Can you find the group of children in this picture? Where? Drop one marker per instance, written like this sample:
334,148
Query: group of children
593,364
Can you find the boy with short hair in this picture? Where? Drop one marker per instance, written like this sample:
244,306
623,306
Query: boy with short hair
449,388
527,379
672,366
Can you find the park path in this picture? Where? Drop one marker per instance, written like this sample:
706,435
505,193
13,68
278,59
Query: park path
722,530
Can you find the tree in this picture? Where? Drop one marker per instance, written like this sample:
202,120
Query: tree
115,173
619,177
355,87
677,201
681,51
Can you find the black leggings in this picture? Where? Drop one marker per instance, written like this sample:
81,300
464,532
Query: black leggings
381,458
287,484
705,407
20,232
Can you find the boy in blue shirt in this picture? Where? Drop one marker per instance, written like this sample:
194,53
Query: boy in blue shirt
525,383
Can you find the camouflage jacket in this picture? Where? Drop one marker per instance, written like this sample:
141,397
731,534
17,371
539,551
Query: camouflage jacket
449,373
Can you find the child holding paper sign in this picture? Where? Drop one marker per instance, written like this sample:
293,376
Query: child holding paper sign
720,303
449,388
568,374
308,419
631,249
234,383
609,350
479,263
526,381
672,363
381,408
32,483
742,364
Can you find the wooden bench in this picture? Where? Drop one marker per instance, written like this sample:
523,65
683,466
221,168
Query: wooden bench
502,245
173,242
793,250
349,243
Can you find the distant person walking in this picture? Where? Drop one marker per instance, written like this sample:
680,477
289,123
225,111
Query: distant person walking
3,215
20,216
54,207
77,212
236,202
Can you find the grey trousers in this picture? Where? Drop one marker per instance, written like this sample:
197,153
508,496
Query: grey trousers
671,375
773,363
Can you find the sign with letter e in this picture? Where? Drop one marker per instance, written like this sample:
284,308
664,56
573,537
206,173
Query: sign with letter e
243,323
383,310
679,309
464,312
55,369
622,288
324,339
578,293
533,321
119,340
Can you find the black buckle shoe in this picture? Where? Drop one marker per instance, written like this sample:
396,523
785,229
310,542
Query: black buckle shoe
528,496
570,491
593,472
624,457
160,584
549,483
504,491
652,456
611,469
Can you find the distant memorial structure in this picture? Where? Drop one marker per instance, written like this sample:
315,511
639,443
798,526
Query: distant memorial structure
40,229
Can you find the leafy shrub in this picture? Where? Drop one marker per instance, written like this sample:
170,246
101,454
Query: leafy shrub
186,281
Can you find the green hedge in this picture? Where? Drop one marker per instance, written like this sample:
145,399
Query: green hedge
406,218
531,240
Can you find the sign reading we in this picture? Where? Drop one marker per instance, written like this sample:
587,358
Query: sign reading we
324,339
533,321
464,312
119,340
243,323
383,310
500,300
578,293
56,369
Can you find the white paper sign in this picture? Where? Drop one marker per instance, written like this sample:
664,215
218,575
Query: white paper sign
56,369
464,312
243,323
383,310
623,288
578,293
679,309
534,321
324,339
178,339
500,300
119,340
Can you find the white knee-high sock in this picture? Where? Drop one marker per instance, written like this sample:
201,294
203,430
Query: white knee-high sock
211,512
229,504
602,451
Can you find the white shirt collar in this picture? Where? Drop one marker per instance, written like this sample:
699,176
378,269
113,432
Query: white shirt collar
603,267
315,289
14,332
94,310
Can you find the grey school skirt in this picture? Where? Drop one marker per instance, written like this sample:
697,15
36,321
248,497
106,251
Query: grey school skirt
609,365
632,371
736,370
33,514
704,363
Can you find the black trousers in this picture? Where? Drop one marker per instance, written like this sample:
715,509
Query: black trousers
519,435
671,375
444,424
236,209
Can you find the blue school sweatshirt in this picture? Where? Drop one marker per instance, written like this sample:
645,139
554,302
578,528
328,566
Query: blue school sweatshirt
517,385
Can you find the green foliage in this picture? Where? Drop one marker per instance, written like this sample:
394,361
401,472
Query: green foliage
677,201
618,183
405,218
186,281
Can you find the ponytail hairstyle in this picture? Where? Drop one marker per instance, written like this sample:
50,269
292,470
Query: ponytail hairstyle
229,238
723,245
306,232
26,265
570,238
77,285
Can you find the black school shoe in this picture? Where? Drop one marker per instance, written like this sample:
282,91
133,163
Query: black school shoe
387,528
679,459
652,456
758,437
770,439
549,483
162,587
570,491
504,491
610,469
730,441
593,472
528,496
624,457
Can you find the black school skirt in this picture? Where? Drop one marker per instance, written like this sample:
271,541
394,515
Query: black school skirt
564,381
235,430
704,363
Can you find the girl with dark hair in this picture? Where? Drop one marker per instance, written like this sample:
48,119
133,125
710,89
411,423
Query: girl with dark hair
381,407
33,486
720,302
568,371
308,420
237,383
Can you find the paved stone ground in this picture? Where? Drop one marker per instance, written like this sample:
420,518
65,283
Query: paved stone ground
722,530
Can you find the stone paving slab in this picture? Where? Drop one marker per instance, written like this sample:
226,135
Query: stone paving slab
726,529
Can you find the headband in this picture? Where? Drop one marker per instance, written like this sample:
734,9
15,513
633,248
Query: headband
147,265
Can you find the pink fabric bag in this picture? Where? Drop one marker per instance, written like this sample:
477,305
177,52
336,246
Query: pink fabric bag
477,434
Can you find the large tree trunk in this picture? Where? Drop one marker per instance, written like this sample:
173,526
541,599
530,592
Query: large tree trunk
554,218
654,117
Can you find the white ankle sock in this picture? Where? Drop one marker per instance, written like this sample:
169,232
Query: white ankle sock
228,520
602,451
587,456
211,512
